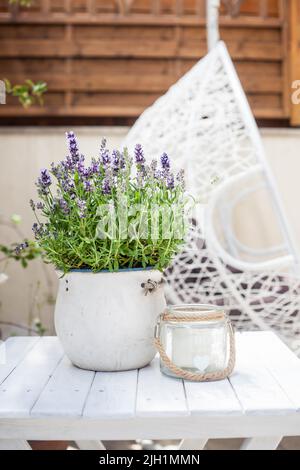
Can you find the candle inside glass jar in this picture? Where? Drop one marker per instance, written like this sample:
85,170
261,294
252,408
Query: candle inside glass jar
195,346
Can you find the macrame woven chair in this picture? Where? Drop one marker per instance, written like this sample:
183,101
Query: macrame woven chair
205,124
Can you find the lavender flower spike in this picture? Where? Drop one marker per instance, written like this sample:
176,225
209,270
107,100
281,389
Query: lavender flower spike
37,230
165,161
44,179
170,181
64,205
115,161
106,188
103,145
94,166
87,186
73,146
105,158
80,166
139,155
82,208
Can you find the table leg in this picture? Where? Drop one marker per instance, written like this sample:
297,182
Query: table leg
192,444
261,443
14,444
90,445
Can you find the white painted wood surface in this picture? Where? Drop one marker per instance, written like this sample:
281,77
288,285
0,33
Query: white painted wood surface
22,388
279,360
192,444
15,352
159,395
42,396
90,445
66,391
112,395
212,398
14,444
254,385
261,443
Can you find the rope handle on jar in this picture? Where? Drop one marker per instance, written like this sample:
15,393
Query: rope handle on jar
193,376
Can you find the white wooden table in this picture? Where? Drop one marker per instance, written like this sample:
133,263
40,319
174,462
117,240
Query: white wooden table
44,397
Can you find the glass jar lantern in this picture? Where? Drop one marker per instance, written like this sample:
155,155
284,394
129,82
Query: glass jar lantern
195,342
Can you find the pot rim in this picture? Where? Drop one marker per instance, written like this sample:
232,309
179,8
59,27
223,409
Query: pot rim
106,271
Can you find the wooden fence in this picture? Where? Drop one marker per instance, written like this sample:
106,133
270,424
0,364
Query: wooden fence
106,58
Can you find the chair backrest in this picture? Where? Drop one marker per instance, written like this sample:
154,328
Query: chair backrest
205,124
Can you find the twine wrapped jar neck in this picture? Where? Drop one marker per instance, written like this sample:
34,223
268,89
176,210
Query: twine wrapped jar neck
190,313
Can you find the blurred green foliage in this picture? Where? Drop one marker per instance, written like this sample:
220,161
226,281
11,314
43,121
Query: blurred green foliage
28,93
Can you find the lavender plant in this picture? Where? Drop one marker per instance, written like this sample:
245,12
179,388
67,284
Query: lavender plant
71,193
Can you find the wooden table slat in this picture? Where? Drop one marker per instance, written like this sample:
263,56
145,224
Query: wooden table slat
23,386
15,350
159,395
283,364
65,393
212,398
112,395
256,388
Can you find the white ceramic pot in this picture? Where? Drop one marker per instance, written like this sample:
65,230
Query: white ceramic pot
104,320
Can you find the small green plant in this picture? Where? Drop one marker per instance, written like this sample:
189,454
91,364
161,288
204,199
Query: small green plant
28,93
83,197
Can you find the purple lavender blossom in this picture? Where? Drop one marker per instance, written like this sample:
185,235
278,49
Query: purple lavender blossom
94,168
67,185
165,161
157,174
64,205
45,178
73,147
32,204
170,181
21,247
68,164
55,169
87,186
139,155
80,166
106,186
82,207
115,161
59,170
35,228
102,146
105,158
122,161
38,230
44,181
40,205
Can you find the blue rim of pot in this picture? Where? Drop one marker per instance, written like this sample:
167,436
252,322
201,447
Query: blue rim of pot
123,270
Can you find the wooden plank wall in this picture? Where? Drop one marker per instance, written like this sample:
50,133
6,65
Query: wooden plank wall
113,58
